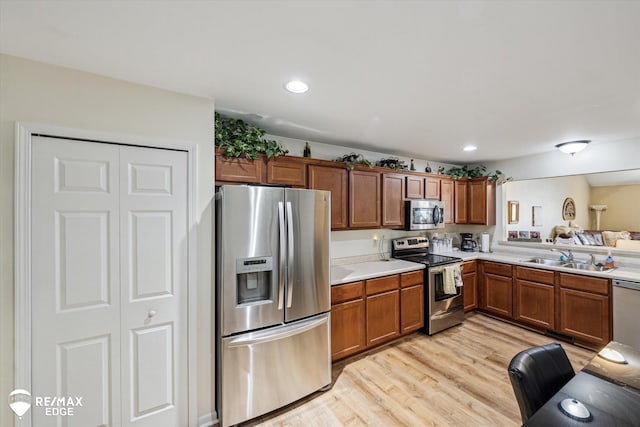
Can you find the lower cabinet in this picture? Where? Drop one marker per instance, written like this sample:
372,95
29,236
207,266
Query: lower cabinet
383,309
535,301
411,301
371,312
585,308
498,289
470,285
348,334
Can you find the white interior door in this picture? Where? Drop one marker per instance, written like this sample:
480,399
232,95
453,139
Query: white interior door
153,248
109,274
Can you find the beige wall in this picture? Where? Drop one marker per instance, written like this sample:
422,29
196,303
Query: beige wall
549,193
623,205
44,94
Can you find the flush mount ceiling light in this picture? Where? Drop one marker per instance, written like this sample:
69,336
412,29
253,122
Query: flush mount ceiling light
469,148
296,86
572,147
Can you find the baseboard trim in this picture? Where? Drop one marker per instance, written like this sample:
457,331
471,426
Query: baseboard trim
207,420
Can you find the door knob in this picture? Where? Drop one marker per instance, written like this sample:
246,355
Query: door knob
152,313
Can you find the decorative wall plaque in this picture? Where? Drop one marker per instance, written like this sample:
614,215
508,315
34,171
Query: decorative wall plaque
568,209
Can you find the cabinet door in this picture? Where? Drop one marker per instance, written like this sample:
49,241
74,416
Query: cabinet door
460,201
287,171
535,303
415,187
470,290
411,308
348,334
498,295
333,180
383,317
239,170
392,200
432,188
364,199
446,195
477,209
585,316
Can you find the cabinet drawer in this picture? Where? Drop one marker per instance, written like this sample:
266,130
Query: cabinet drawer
412,278
383,284
346,292
469,266
497,268
535,275
584,283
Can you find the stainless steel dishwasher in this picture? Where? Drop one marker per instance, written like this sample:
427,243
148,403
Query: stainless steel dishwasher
626,306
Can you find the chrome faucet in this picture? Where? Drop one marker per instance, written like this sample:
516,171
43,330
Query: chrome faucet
592,259
569,256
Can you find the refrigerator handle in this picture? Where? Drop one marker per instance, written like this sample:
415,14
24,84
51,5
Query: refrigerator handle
283,245
290,251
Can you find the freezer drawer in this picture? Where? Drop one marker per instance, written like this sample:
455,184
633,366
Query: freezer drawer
267,369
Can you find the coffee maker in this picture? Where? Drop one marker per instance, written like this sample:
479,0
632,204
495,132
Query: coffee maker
467,244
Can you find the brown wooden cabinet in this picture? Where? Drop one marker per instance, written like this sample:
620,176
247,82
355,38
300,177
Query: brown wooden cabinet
348,334
535,297
364,199
482,201
334,180
236,170
497,289
383,309
460,201
392,200
432,188
414,187
585,308
446,195
411,301
287,171
470,285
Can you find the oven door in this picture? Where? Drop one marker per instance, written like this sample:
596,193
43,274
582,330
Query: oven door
440,300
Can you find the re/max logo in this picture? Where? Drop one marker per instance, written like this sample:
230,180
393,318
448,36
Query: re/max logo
58,401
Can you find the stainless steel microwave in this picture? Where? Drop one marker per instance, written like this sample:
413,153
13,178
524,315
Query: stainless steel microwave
423,214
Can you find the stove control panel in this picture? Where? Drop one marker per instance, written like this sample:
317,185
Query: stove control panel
410,243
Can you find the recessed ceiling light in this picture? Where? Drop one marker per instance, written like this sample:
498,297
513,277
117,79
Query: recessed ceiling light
470,148
296,86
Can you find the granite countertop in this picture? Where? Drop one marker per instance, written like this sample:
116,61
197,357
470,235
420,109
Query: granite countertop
346,273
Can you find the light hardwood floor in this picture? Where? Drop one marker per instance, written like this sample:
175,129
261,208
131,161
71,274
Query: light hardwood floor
455,378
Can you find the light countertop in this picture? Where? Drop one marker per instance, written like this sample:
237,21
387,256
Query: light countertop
345,273
366,270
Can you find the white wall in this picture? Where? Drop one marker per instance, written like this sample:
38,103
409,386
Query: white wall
597,157
44,94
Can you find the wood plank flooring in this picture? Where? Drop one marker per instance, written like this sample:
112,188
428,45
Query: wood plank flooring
455,378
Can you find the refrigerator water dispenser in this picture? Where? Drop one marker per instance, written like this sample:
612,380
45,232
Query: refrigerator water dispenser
254,279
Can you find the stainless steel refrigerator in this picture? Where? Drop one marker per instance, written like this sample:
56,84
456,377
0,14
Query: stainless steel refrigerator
273,294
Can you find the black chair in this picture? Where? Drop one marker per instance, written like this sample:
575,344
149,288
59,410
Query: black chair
538,373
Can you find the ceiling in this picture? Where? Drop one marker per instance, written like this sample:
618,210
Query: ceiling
415,78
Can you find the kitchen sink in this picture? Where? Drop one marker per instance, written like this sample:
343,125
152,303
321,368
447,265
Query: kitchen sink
545,261
588,267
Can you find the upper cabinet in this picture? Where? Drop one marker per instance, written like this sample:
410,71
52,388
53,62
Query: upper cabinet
415,187
364,199
432,188
334,180
392,200
475,201
446,195
286,171
236,170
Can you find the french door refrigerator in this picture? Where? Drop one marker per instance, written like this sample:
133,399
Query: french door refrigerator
273,294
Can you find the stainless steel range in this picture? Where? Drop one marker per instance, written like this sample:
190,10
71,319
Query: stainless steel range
443,282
